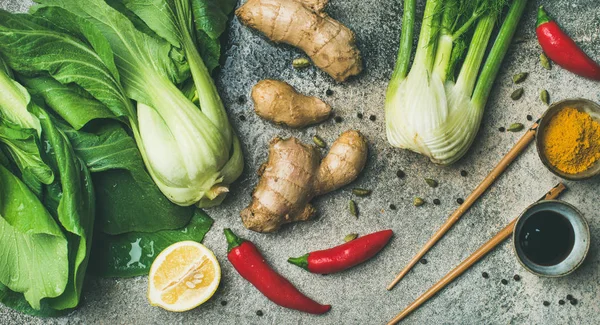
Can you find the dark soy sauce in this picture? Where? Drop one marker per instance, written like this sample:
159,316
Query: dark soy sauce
547,238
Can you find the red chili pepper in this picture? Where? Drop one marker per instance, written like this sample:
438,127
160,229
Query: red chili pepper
251,265
559,47
344,256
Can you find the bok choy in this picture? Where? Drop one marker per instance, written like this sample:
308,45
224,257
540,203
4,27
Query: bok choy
191,152
430,109
46,223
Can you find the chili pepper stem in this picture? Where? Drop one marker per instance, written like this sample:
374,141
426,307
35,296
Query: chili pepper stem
301,261
542,16
233,241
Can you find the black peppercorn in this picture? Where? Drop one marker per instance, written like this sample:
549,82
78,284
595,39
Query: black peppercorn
423,261
338,119
241,99
501,129
504,281
463,173
359,115
372,117
329,92
259,313
242,118
569,297
460,201
485,275
392,207
436,201
529,118
561,302
223,303
546,303
400,174
573,301
517,277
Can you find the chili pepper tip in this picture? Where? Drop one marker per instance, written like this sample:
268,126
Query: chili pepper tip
301,261
233,241
542,16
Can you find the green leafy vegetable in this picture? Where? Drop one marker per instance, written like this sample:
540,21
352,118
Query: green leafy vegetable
23,146
428,110
132,254
72,104
36,266
71,199
32,246
17,302
191,154
20,129
127,199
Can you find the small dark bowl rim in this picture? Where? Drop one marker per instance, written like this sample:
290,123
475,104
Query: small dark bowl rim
579,215
543,122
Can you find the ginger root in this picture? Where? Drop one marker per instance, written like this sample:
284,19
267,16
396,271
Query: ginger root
294,175
278,102
303,24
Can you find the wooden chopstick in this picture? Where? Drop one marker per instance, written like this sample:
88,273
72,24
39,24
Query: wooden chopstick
518,148
467,263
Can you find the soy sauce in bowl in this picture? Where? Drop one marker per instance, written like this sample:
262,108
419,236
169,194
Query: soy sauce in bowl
551,238
547,238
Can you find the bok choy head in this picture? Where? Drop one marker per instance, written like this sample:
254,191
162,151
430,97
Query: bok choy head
191,152
429,110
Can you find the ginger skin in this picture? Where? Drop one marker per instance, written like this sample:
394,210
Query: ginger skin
280,103
294,175
303,24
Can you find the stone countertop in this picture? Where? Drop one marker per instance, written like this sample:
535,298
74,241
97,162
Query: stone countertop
358,296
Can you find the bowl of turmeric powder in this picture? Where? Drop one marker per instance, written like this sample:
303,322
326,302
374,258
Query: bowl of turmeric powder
568,139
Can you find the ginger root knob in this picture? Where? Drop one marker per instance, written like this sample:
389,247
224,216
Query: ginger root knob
278,102
294,175
303,24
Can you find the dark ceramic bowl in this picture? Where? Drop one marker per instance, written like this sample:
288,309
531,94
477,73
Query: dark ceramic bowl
582,105
581,244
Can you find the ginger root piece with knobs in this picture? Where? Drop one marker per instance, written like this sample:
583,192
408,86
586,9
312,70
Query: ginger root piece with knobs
294,174
303,24
280,103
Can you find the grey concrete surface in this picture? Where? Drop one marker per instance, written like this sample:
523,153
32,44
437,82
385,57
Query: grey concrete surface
358,296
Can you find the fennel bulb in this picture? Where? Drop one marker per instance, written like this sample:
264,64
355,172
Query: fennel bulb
428,110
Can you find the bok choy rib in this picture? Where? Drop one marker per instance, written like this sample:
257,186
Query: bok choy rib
428,109
192,154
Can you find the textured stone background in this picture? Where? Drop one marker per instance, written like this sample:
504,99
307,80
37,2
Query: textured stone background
358,296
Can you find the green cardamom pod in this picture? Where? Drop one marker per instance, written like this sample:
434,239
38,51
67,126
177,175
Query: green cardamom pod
545,61
517,94
319,141
545,97
361,192
300,63
350,237
520,77
353,208
431,182
515,127
418,202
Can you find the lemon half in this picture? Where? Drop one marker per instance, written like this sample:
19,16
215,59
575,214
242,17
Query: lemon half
183,276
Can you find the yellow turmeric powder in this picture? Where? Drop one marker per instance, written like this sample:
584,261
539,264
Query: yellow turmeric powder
572,141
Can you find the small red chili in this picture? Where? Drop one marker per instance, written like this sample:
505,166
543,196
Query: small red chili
344,256
561,49
251,265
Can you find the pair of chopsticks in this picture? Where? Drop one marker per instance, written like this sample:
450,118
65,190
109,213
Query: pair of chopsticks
466,264
517,149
